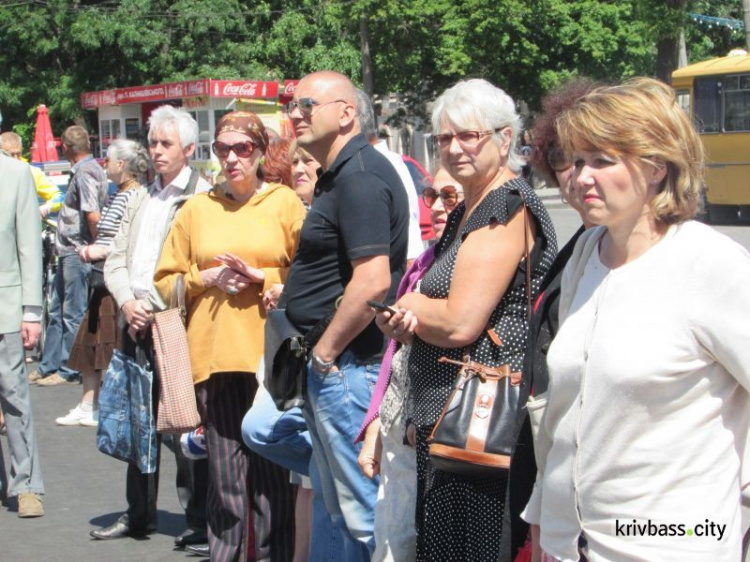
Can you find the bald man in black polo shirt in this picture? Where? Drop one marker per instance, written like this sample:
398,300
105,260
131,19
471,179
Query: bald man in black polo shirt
352,249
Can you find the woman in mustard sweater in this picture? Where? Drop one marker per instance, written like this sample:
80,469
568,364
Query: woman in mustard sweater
232,244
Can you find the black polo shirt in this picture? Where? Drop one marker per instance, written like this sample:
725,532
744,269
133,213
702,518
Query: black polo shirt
359,210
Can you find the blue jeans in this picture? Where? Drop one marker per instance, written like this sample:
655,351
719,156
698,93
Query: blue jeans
335,408
69,301
280,437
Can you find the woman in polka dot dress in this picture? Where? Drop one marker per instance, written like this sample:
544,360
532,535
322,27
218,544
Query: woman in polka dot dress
476,283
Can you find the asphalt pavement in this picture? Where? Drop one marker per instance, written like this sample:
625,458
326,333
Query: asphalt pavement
85,489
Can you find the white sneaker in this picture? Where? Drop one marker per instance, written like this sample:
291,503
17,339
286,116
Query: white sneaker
76,417
91,419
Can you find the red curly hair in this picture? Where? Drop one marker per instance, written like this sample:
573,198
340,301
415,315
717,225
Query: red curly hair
278,165
544,133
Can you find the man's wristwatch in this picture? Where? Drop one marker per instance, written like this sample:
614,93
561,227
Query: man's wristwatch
320,366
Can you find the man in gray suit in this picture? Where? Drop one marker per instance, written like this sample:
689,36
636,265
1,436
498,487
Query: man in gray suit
21,303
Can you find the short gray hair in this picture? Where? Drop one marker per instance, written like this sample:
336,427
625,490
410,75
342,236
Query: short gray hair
76,138
167,116
366,113
9,138
132,153
477,103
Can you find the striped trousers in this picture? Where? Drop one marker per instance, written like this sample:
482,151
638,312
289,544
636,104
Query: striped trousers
241,483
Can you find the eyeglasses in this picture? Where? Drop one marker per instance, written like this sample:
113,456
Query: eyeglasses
305,106
16,154
241,149
558,159
449,195
464,138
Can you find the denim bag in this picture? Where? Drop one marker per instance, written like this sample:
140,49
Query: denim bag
127,429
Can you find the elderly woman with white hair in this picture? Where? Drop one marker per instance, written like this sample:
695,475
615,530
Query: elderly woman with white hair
99,335
475,290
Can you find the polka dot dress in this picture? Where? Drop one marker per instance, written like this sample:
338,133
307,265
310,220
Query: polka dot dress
460,517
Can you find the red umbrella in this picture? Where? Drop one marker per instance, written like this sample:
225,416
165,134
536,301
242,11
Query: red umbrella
43,149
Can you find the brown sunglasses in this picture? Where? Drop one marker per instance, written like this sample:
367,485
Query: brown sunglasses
449,194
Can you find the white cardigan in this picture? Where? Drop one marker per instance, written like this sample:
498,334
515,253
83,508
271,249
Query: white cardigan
648,401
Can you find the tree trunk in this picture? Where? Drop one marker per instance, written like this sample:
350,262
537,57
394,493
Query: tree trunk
746,14
364,34
682,56
667,46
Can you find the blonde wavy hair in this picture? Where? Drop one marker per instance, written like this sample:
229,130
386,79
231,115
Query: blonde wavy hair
641,118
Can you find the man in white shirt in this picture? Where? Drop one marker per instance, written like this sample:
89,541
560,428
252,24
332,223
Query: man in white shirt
368,126
128,274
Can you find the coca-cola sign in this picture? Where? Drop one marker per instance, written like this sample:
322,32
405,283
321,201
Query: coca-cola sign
108,97
249,89
289,88
197,88
176,90
187,89
244,89
92,100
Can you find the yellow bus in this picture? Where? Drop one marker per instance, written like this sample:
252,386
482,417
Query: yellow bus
716,93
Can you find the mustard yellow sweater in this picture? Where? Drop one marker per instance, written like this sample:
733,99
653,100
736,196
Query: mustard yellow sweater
225,333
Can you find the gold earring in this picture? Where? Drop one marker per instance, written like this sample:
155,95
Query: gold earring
262,160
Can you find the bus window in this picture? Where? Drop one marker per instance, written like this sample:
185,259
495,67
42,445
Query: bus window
737,103
707,100
683,100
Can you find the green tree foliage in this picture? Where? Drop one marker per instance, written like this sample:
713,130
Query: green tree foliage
706,42
53,50
422,46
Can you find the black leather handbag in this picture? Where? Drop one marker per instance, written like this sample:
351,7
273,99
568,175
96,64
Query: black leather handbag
285,357
96,281
286,354
474,434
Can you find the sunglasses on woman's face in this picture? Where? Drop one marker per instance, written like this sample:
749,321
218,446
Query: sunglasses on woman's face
241,149
558,160
449,194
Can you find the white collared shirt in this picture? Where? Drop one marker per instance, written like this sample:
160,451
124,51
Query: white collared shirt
153,230
416,246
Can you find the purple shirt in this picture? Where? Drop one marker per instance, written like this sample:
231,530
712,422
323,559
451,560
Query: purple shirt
417,270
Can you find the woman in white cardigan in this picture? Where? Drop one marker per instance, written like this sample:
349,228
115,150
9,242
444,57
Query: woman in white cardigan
647,416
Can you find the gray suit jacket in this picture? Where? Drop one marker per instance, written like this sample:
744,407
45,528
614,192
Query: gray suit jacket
20,244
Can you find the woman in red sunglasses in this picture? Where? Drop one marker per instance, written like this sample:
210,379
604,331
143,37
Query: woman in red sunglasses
232,244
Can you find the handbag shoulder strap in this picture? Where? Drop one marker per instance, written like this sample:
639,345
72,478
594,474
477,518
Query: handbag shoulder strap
177,299
526,255
192,182
527,259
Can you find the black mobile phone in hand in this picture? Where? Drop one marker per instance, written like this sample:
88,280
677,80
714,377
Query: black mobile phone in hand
381,307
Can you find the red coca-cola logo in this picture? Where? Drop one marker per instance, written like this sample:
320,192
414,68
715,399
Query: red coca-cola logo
290,86
175,91
246,89
196,88
90,100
